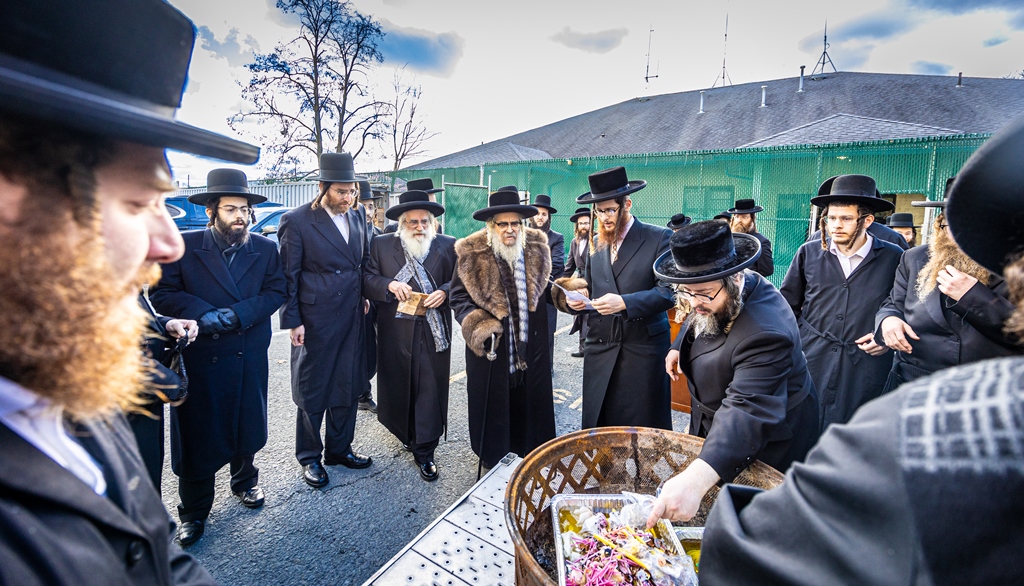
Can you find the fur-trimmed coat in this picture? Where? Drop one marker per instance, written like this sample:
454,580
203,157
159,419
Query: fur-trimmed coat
502,420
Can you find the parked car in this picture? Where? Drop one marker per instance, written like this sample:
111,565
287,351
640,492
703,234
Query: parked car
189,216
267,220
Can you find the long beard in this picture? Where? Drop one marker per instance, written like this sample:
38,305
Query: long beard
710,325
72,327
583,234
735,226
606,237
416,247
232,234
510,253
942,251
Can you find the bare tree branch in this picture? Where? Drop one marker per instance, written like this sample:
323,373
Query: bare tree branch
403,133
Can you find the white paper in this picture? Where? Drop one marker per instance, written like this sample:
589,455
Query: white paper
576,296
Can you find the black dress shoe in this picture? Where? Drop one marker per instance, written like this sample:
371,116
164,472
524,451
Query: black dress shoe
315,475
189,532
252,498
577,354
366,403
349,460
428,470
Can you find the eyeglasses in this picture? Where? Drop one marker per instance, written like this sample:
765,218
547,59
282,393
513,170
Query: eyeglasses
608,211
515,225
698,296
943,226
345,192
423,223
232,210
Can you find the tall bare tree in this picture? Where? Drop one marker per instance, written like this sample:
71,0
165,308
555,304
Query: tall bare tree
403,133
355,44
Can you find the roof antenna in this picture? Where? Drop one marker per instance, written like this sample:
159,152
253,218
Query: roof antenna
648,77
824,57
724,76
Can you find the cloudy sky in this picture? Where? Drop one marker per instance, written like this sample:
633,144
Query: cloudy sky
489,69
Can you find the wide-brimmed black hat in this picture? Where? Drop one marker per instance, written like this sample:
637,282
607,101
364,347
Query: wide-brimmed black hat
544,201
706,251
338,168
226,182
678,221
115,68
425,185
927,203
609,184
985,212
506,199
901,220
579,213
859,189
745,206
365,191
414,200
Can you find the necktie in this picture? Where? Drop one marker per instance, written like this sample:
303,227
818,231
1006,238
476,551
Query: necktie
615,252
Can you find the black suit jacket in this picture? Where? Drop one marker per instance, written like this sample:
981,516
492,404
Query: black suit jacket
765,264
579,252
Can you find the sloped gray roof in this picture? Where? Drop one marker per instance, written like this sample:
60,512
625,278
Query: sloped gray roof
486,153
850,128
733,117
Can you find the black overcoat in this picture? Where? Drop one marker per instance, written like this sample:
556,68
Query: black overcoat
324,275
225,415
751,394
370,320
399,341
508,422
833,311
54,529
765,264
576,266
951,332
624,379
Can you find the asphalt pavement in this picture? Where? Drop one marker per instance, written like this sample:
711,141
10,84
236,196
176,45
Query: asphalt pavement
343,533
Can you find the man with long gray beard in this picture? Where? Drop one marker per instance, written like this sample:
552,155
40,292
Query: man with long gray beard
751,395
945,309
498,295
409,276
83,128
231,282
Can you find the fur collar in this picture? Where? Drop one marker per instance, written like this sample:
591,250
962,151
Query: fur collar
478,269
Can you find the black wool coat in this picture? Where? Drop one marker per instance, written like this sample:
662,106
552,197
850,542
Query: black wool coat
508,421
878,231
54,529
370,320
751,393
401,339
833,311
624,379
951,332
225,415
765,264
324,275
556,242
576,266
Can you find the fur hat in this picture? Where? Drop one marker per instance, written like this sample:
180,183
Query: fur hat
706,251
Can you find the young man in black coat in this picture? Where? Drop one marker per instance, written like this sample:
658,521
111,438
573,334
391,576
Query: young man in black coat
83,128
742,218
576,266
751,394
416,346
366,201
231,282
556,242
624,381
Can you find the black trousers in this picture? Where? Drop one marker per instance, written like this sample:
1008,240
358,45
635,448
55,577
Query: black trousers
341,428
149,433
552,324
426,421
197,495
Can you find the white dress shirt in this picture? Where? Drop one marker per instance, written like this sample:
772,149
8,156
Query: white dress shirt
341,221
850,263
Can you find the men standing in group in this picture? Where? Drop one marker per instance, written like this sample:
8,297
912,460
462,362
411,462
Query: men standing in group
742,219
366,402
83,128
231,282
739,347
556,242
624,379
413,268
324,249
579,252
835,286
497,295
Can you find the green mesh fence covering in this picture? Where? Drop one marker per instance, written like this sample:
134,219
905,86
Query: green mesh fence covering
704,183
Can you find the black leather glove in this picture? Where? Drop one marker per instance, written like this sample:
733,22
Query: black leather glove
228,319
210,323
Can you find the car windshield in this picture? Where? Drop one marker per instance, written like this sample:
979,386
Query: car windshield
264,212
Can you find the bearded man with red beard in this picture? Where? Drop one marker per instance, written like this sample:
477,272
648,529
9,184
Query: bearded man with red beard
83,127
945,309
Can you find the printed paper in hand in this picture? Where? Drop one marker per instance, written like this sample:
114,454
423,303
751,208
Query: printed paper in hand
575,296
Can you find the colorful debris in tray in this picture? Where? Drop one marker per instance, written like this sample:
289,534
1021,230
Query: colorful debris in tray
608,550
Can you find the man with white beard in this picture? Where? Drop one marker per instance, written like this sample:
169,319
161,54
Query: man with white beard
413,267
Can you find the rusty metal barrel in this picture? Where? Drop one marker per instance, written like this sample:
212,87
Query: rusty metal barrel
602,461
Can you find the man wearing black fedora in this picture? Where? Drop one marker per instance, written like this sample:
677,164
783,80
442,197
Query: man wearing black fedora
409,277
835,286
877,230
324,248
231,282
556,242
945,309
497,294
878,498
366,201
742,218
426,185
677,221
624,382
88,93
751,395
579,252
903,224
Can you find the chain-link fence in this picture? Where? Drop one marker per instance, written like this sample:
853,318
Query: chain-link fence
704,183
